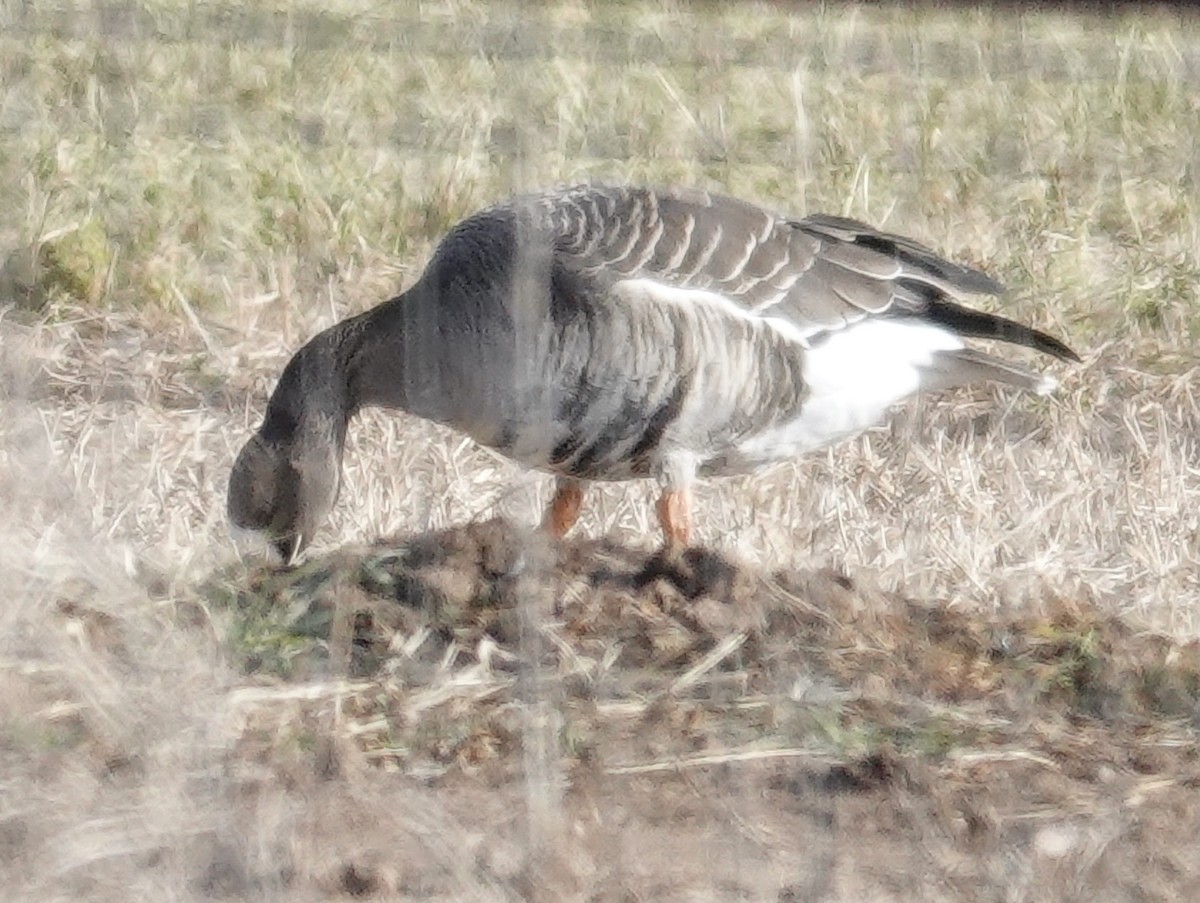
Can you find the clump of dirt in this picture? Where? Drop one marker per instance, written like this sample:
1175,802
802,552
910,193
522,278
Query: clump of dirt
491,584
666,698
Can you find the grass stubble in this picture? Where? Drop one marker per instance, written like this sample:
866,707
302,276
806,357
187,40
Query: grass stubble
964,641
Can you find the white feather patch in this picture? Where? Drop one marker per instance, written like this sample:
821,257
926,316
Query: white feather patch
853,377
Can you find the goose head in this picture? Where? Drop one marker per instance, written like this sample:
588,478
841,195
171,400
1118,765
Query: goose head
286,478
284,489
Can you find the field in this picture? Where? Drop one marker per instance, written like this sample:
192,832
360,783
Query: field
954,659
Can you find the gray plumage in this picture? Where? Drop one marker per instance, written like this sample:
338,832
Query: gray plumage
613,333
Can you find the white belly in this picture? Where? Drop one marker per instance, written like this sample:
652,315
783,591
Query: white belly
853,378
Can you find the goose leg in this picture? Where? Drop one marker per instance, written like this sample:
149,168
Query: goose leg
564,507
675,516
677,472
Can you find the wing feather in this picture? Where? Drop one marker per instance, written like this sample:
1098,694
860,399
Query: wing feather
819,273
916,260
702,248
861,261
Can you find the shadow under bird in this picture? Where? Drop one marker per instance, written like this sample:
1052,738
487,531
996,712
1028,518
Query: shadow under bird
614,333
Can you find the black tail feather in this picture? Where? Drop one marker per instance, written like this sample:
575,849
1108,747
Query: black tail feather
977,324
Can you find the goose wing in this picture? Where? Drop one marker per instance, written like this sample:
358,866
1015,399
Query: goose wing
819,274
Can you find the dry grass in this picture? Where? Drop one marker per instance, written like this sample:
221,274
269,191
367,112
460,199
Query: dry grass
187,192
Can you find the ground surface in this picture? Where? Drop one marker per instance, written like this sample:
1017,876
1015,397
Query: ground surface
818,738
953,659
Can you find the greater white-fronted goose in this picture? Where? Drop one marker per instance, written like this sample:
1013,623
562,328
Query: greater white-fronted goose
612,333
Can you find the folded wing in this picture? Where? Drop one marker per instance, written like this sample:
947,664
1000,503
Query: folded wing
820,274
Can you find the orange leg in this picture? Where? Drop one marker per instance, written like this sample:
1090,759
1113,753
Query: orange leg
564,508
675,515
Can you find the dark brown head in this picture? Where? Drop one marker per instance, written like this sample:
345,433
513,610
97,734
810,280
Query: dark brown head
284,489
286,478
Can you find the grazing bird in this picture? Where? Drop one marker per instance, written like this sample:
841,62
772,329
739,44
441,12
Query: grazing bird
612,333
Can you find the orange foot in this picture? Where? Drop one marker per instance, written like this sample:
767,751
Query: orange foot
675,516
564,508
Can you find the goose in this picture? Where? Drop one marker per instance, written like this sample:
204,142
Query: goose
624,332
